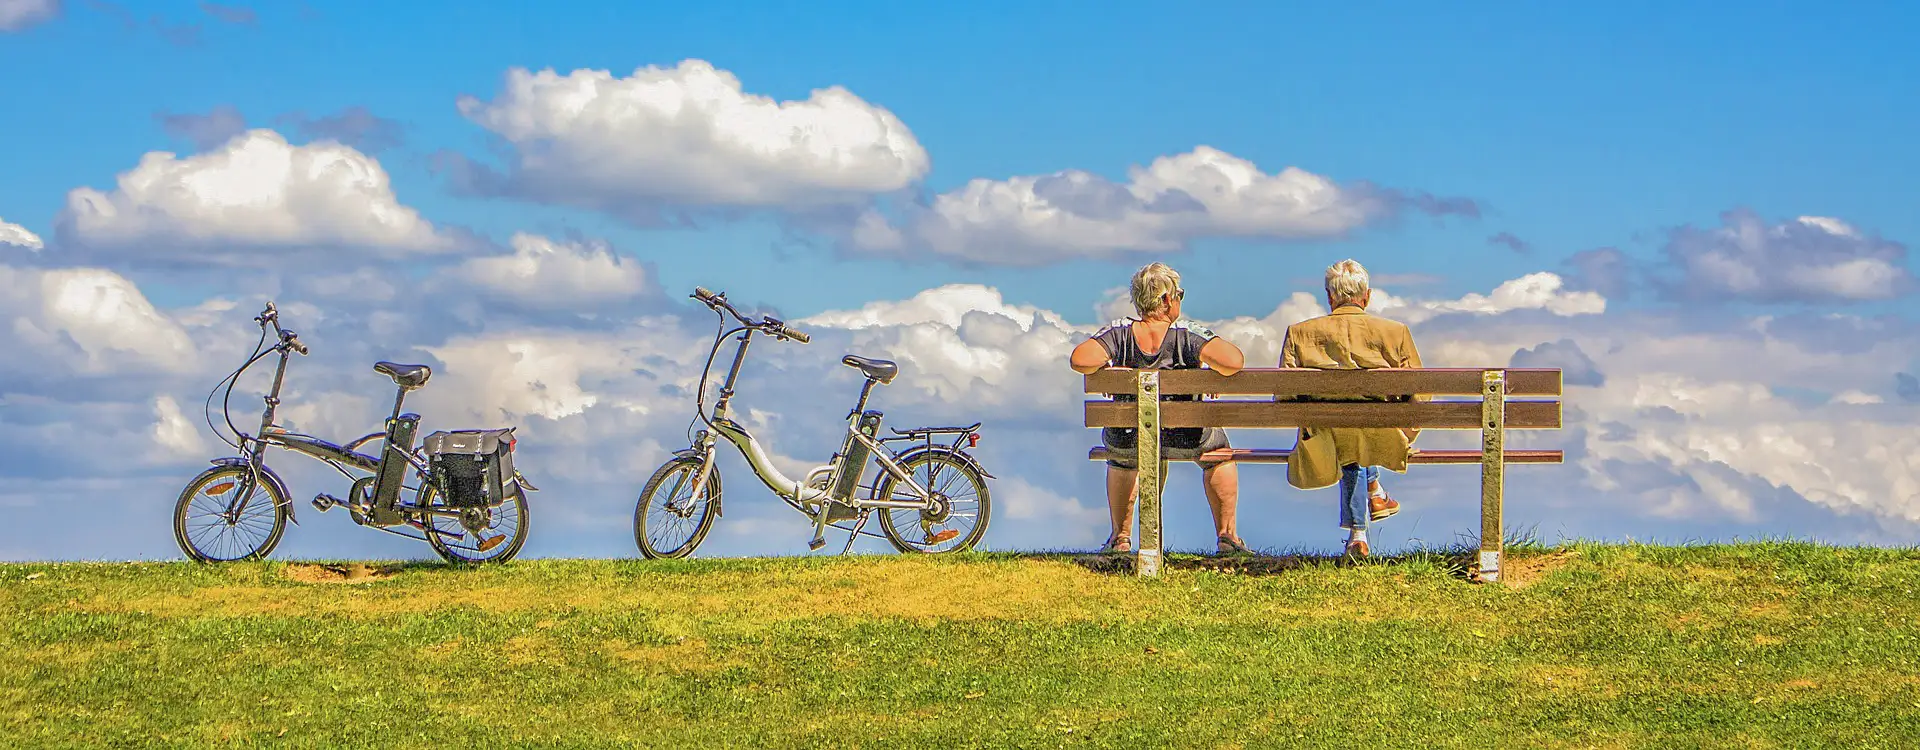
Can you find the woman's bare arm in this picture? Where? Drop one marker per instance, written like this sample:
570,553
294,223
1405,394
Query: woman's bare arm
1088,357
1221,355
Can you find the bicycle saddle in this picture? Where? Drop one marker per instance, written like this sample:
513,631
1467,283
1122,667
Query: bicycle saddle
405,376
876,369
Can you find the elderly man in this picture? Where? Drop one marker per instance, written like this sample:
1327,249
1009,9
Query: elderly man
1350,339
1161,340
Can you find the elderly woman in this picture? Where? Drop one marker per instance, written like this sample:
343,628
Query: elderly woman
1160,340
1350,339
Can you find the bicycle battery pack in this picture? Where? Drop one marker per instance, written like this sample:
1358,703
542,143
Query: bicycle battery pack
470,468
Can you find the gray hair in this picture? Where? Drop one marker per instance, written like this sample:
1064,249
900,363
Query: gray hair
1150,283
1346,280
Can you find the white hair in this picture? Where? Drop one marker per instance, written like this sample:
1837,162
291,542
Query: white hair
1346,281
1150,283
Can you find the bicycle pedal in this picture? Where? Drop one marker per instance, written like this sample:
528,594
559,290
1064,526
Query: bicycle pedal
816,543
324,503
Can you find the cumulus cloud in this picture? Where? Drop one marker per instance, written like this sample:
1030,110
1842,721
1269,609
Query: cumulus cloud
257,192
544,274
1605,271
1808,259
1206,192
14,235
17,15
173,434
1534,291
947,305
1576,368
688,135
88,321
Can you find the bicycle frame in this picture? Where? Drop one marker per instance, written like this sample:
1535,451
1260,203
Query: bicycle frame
376,498
804,494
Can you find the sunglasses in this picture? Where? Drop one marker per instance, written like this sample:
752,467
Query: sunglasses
1178,294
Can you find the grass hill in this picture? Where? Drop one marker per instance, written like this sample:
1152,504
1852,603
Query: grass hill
1755,645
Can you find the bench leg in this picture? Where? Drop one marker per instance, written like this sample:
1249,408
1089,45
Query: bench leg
1493,418
1152,474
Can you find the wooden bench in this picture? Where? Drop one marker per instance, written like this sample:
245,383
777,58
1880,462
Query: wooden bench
1489,410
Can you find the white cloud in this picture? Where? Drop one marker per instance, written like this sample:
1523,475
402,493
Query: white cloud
1534,291
18,236
542,273
172,433
689,135
257,191
947,305
1036,220
89,319
16,15
1849,462
1808,259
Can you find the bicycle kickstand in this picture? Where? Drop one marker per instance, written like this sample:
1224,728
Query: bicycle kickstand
857,525
819,529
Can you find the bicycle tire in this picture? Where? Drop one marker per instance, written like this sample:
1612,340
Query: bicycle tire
456,554
643,512
205,485
891,519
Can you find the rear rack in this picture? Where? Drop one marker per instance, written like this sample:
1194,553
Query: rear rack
918,431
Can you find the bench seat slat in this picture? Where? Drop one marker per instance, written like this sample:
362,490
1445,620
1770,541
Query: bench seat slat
1279,456
1269,381
1283,414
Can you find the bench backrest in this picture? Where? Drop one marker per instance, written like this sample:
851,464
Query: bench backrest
1337,398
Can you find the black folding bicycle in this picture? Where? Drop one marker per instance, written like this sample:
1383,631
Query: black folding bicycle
466,499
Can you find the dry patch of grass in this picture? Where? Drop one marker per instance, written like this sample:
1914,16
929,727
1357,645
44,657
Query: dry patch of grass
347,573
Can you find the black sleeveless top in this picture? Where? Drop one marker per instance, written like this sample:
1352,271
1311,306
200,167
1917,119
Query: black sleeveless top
1179,350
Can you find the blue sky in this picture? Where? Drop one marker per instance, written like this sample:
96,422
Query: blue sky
1568,129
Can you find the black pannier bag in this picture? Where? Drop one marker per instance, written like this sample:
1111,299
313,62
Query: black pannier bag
470,468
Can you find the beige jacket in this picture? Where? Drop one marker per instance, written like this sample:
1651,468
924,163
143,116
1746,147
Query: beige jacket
1347,339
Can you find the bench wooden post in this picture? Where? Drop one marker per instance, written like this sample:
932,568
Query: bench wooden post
1493,421
1151,473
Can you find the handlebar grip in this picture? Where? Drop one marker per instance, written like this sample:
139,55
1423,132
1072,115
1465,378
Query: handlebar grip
297,346
796,335
703,294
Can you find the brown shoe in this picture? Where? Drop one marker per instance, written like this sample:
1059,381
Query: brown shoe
1117,543
1381,508
1231,545
1356,548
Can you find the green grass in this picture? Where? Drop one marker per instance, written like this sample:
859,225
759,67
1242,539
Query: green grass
1753,645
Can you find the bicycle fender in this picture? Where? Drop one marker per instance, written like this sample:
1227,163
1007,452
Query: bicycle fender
962,455
272,478
719,504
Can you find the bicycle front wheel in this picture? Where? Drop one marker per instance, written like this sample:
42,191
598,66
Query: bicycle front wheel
668,521
501,530
961,505
228,513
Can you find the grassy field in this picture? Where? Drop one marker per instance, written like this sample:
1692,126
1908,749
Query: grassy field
1760,645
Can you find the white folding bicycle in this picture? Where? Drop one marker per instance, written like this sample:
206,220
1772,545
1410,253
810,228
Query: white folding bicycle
932,496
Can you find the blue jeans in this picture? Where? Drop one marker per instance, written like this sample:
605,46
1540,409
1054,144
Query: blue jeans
1353,495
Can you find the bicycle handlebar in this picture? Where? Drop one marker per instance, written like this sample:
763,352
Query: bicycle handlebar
768,325
271,317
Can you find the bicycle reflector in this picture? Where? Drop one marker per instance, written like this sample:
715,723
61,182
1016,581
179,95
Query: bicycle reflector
973,440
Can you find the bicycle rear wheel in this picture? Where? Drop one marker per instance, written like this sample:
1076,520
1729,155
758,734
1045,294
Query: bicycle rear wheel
962,505
668,521
503,529
207,527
